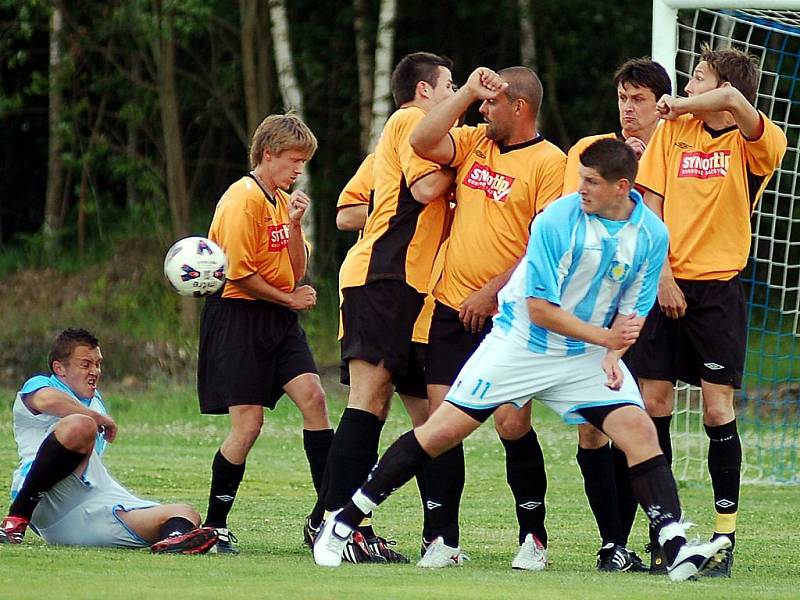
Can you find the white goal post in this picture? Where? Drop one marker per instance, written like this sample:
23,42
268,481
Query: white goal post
768,406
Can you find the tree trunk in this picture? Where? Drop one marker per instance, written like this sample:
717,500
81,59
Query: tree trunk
382,103
287,82
164,54
527,34
365,61
170,123
248,18
53,210
265,74
290,92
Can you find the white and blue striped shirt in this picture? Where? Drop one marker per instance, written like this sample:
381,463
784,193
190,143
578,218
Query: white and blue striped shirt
588,266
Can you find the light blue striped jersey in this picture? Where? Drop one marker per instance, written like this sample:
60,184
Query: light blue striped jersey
31,429
589,266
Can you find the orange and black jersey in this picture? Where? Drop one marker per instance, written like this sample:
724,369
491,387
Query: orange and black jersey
253,230
499,189
358,190
402,236
571,178
710,181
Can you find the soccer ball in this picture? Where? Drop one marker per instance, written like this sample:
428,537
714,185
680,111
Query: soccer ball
195,266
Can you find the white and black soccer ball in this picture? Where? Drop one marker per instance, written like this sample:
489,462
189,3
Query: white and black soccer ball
195,266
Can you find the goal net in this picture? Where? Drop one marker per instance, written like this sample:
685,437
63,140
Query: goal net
768,405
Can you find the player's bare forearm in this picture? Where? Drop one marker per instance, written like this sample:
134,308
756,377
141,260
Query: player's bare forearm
726,98
255,285
298,253
50,401
432,186
429,138
623,332
351,218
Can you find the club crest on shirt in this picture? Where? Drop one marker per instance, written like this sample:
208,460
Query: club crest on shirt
704,165
495,185
278,237
618,271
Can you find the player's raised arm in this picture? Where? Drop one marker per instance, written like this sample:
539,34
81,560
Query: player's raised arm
429,139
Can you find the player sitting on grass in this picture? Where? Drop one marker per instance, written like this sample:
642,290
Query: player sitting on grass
61,488
567,314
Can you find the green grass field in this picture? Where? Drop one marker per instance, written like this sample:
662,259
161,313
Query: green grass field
164,450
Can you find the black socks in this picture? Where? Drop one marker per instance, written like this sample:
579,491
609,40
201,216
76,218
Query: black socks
53,463
225,480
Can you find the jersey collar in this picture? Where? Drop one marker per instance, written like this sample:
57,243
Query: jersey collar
503,149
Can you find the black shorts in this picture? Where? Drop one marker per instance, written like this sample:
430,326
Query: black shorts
249,349
378,322
410,384
449,345
709,342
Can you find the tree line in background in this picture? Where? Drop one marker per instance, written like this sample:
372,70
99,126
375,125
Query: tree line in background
135,115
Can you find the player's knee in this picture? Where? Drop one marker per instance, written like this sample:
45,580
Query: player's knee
76,432
717,415
246,434
590,437
511,425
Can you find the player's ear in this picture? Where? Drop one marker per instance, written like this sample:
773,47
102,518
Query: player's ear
422,89
267,156
58,368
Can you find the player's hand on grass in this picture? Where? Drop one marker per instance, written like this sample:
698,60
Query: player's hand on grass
303,298
476,308
298,204
613,371
106,426
624,331
671,298
670,107
485,84
636,145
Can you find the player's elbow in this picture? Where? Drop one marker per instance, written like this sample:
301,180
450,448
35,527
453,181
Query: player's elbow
539,311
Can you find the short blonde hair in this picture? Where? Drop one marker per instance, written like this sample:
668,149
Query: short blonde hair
277,133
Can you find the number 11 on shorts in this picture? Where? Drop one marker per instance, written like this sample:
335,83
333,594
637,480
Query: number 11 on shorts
481,388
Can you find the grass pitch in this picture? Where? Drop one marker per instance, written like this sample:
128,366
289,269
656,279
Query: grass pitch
164,451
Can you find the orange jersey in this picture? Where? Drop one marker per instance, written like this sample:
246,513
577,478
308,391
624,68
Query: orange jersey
402,236
571,178
253,230
710,182
359,188
498,192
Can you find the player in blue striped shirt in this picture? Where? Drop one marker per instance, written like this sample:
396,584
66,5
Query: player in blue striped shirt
568,313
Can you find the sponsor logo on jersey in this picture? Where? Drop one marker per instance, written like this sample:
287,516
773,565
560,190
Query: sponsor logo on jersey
682,145
495,185
703,165
479,153
278,237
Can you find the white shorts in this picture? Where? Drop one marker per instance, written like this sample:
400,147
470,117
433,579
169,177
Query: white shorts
502,372
76,513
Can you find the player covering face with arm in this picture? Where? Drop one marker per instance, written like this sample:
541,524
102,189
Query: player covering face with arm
704,170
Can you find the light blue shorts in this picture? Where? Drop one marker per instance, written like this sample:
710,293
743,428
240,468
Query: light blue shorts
503,372
76,513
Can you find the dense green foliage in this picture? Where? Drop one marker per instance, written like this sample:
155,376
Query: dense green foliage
112,125
164,450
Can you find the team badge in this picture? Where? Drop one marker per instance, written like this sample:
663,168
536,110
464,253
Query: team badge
618,271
